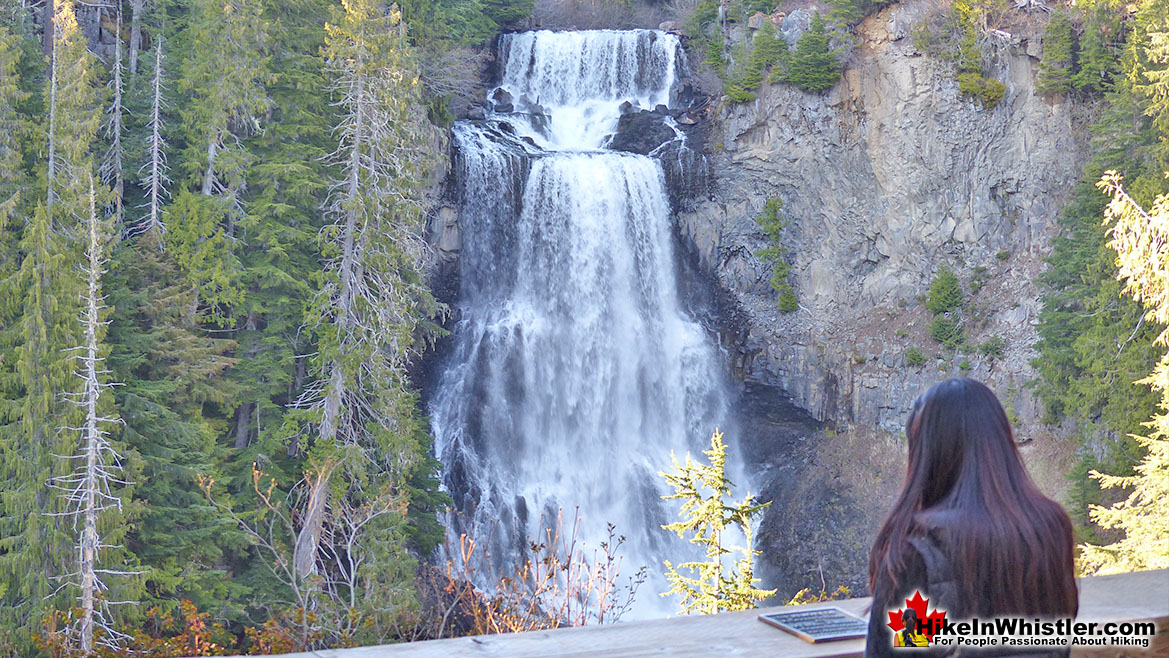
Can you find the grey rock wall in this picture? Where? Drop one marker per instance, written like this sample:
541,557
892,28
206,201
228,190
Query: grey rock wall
884,178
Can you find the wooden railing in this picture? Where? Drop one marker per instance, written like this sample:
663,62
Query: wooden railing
1140,596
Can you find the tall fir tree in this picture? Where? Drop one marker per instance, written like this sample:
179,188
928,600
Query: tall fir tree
1097,59
814,66
174,379
361,413
287,188
36,550
12,175
1056,67
223,73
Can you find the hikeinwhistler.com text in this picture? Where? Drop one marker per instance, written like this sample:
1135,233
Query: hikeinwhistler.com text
1002,632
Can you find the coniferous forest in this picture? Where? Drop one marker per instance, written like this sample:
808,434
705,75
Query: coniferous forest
212,287
214,301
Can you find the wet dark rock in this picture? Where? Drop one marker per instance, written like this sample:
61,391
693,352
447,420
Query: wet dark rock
687,174
684,95
642,132
627,108
476,113
502,97
505,108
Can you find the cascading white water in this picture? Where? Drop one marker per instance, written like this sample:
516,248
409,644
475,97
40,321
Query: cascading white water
575,371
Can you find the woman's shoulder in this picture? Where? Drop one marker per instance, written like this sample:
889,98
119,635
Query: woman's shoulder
939,581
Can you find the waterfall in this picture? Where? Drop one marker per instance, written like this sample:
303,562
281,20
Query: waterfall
575,370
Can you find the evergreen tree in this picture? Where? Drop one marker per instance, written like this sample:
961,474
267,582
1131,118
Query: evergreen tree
1138,240
46,288
224,71
360,411
945,292
768,51
813,64
707,516
1147,64
507,12
279,260
772,222
1094,342
1097,61
1055,69
12,178
174,378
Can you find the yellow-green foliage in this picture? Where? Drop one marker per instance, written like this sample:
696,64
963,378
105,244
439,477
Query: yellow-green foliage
706,516
806,595
1139,237
987,91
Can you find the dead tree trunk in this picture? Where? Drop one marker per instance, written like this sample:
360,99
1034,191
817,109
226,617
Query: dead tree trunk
156,179
90,484
308,540
111,169
135,31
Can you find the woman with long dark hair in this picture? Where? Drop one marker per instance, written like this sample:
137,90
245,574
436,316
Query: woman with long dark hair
970,530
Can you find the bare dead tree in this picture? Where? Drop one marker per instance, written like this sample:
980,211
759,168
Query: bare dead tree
89,486
156,167
318,622
111,166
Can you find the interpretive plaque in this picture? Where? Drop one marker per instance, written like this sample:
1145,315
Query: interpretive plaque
819,625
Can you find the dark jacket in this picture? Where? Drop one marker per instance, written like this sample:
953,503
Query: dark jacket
928,569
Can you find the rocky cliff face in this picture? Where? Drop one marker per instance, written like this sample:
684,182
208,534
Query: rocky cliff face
884,178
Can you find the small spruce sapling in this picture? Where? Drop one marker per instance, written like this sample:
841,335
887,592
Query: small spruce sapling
703,490
945,292
772,222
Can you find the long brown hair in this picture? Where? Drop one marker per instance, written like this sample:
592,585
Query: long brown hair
1010,546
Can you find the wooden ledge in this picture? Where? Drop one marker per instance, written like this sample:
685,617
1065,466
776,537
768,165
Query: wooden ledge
1139,596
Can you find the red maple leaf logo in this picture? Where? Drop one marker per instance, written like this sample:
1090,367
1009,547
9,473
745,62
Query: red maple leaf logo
930,623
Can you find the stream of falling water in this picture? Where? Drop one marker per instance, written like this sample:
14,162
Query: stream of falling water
575,370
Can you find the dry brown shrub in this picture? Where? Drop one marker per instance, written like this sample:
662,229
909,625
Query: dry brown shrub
559,583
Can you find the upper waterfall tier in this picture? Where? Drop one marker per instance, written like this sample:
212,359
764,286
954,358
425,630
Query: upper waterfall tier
568,68
567,88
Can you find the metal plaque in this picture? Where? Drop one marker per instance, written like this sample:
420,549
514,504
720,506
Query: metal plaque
819,625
